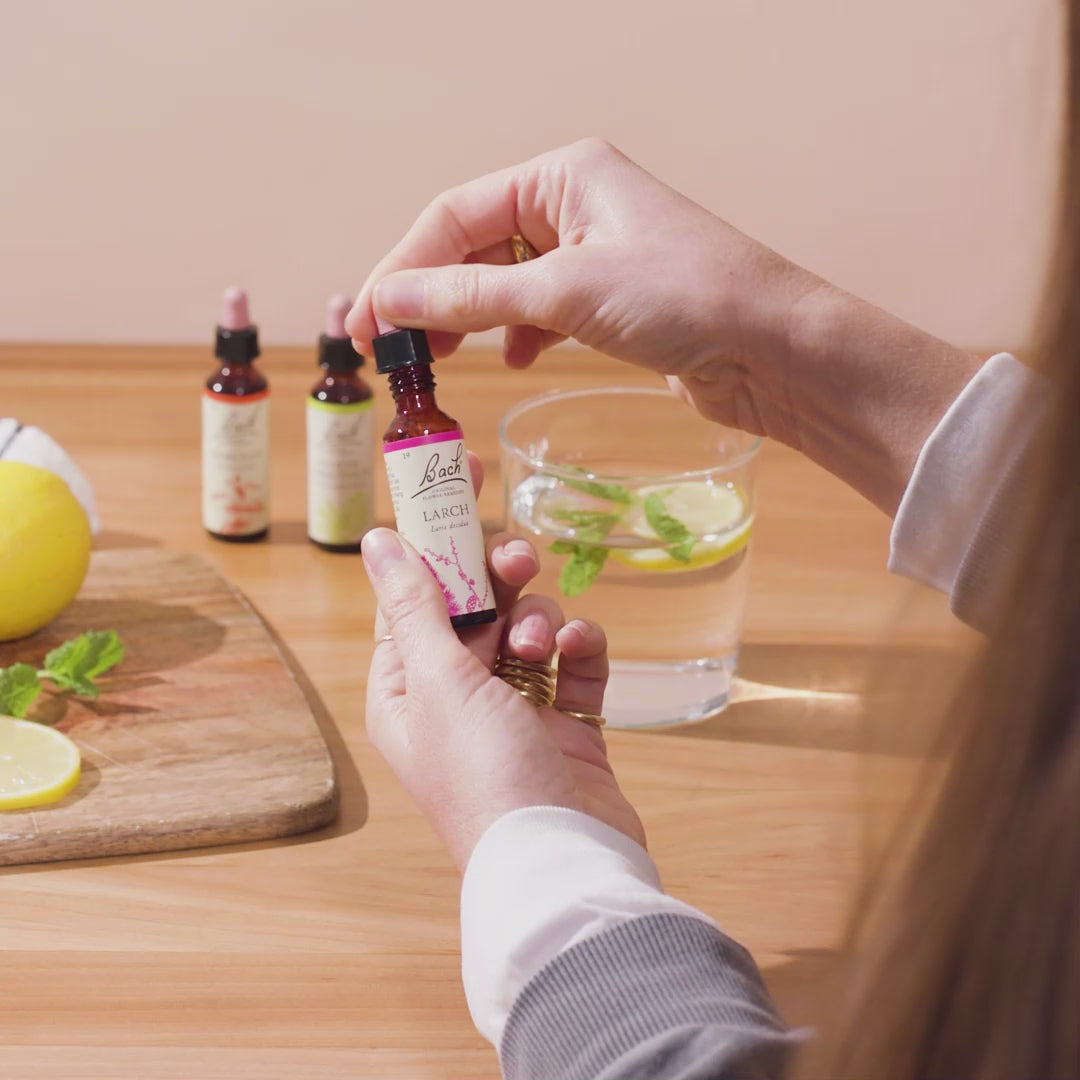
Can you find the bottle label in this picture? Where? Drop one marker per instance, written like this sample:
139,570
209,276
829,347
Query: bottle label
340,445
435,507
236,463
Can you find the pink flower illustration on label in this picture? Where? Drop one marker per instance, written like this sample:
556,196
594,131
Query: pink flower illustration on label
435,507
475,602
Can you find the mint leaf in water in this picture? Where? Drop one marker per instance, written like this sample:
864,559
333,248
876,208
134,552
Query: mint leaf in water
611,492
19,686
580,570
587,556
681,552
563,547
74,665
590,526
669,529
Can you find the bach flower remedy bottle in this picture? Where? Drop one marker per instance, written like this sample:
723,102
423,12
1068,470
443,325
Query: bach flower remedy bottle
430,481
236,432
340,441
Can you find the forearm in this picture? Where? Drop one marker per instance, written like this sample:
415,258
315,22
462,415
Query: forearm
858,390
576,964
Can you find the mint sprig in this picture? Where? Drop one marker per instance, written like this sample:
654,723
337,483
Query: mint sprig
590,526
587,552
580,570
72,666
19,685
670,529
76,663
612,492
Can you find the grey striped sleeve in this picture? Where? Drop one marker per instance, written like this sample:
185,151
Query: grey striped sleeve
660,996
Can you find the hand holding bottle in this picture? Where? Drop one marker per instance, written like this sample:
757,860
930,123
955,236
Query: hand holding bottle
466,745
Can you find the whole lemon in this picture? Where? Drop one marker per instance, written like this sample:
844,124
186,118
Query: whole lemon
44,548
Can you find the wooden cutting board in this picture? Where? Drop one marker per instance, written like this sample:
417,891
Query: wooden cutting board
201,736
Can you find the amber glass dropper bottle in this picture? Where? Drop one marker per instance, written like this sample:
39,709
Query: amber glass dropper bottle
236,432
430,481
340,441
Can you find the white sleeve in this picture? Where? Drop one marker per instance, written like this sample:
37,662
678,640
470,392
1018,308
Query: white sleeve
540,880
954,530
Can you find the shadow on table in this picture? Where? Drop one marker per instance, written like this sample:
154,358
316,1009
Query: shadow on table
798,982
835,697
352,795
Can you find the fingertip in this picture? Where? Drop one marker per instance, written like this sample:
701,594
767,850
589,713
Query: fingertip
531,628
381,550
515,562
443,343
521,346
581,638
517,363
533,638
357,325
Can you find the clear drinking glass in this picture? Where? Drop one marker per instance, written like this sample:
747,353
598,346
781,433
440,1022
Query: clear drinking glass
642,513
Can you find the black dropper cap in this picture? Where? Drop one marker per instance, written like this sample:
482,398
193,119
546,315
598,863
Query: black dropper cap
338,354
237,346
401,349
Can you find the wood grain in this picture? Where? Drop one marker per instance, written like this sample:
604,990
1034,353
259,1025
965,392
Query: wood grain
202,736
337,954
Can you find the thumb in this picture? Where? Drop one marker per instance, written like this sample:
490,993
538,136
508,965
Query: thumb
470,297
413,607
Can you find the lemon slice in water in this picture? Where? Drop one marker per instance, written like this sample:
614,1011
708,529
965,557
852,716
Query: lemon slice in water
37,764
715,512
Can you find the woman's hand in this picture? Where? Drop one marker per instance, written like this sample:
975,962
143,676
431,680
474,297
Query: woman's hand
630,267
466,745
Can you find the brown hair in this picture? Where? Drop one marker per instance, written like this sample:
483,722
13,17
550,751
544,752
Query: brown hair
964,963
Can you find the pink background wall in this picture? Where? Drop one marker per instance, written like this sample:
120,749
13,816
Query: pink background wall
154,151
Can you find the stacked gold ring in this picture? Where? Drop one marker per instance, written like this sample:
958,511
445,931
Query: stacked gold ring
587,717
523,250
532,680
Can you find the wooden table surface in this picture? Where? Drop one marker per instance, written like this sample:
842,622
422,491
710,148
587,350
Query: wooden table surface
336,955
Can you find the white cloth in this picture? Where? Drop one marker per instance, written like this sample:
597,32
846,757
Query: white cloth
544,878
32,446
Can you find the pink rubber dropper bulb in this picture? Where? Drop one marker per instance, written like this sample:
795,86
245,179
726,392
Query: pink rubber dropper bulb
336,310
234,310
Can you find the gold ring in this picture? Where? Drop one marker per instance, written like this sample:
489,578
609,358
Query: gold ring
523,250
588,717
533,680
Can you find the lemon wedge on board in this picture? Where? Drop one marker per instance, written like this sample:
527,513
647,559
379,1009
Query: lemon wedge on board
37,764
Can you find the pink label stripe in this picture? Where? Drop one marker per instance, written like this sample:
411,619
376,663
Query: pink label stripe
420,440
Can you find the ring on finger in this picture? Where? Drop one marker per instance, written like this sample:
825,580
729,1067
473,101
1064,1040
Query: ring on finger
533,680
523,250
587,717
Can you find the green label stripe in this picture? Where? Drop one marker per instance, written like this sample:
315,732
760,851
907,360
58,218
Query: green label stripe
332,407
